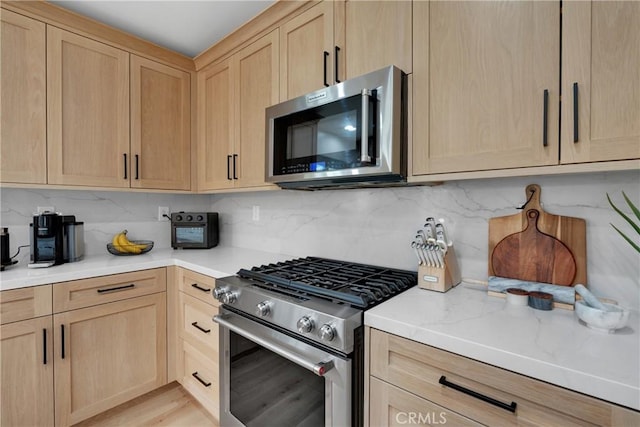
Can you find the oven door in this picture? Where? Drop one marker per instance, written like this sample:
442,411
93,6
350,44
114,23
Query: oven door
270,378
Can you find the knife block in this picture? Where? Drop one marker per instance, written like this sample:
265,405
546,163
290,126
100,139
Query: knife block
440,279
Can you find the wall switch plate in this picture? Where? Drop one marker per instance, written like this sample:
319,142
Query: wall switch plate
162,211
43,209
256,213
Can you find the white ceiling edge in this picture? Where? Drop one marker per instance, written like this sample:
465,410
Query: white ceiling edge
188,27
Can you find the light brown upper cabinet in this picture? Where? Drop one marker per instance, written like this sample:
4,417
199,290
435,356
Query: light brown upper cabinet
377,34
600,81
23,134
160,126
92,108
336,40
88,111
486,85
232,97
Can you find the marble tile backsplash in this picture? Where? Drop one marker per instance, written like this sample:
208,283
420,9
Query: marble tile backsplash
370,225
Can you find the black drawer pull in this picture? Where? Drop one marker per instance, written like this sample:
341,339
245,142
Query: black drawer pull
195,324
62,340
125,165
235,167
44,346
545,118
117,288
510,408
204,383
195,285
335,61
137,166
228,167
324,68
575,112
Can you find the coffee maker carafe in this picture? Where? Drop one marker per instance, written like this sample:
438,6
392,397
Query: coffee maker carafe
47,243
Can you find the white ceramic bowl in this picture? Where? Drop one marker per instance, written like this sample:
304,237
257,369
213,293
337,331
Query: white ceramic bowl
606,321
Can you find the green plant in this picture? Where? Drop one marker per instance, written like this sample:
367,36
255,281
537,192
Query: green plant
635,226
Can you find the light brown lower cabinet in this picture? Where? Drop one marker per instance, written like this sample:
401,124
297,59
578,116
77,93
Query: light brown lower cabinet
198,339
405,388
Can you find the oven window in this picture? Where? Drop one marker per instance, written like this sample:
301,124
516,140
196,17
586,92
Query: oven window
189,234
267,389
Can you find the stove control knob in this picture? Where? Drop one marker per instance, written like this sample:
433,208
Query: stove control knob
229,298
218,292
305,325
327,333
263,309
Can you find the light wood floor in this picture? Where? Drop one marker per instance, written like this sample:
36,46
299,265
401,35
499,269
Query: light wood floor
168,406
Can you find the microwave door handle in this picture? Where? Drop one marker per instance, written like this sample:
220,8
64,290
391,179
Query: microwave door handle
364,130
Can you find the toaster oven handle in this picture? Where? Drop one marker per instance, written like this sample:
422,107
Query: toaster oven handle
318,368
364,129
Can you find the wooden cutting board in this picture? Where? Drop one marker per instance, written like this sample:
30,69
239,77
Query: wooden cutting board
569,230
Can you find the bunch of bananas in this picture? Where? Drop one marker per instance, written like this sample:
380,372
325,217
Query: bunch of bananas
122,244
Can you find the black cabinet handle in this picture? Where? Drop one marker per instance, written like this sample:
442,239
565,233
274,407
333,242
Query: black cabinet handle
62,341
575,112
235,158
195,324
335,59
125,165
204,383
507,407
228,168
200,288
324,68
137,167
545,114
44,346
117,288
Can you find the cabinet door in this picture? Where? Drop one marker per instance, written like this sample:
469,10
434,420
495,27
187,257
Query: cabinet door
601,59
23,131
307,48
160,126
480,73
256,68
215,127
88,111
26,350
107,355
378,33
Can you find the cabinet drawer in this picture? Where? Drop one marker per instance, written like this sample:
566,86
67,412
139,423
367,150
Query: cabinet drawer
103,289
197,285
201,378
418,369
396,407
198,327
25,303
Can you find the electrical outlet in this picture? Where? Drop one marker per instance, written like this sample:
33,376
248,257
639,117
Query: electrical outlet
42,209
162,211
256,213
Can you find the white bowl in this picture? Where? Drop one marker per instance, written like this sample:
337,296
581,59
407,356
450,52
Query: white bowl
606,321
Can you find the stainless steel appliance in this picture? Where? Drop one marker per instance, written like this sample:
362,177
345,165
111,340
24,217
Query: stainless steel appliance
194,230
351,134
73,239
291,340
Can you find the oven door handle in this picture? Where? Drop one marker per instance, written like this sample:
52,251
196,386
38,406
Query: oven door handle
318,368
364,128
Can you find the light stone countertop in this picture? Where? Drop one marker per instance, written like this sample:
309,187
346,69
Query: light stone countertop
552,346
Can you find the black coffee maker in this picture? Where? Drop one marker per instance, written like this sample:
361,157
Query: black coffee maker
47,240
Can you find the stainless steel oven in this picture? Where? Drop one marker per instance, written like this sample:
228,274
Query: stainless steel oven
270,379
292,342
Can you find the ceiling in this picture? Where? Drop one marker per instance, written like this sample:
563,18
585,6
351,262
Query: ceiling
188,27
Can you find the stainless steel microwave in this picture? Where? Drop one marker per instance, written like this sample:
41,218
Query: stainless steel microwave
194,230
350,134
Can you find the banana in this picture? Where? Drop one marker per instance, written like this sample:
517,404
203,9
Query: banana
123,245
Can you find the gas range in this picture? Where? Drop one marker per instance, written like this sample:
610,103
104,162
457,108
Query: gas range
316,299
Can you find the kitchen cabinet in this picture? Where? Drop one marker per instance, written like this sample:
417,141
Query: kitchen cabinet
600,81
198,349
486,87
232,97
404,374
160,126
26,357
110,342
97,95
336,40
23,135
